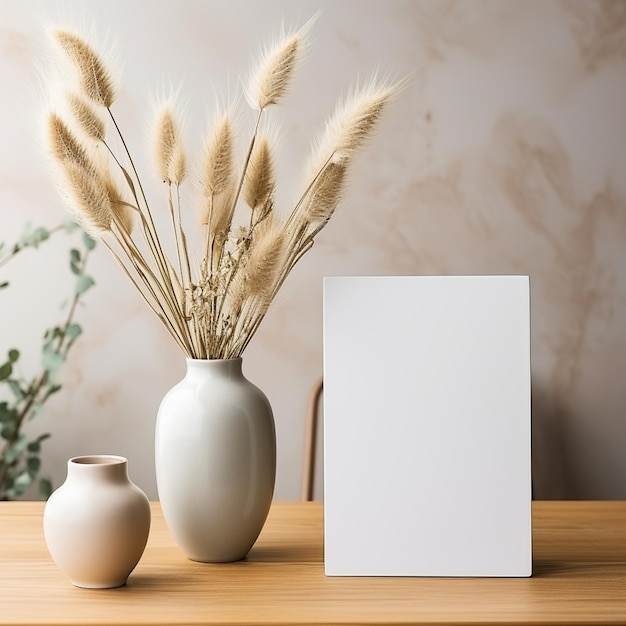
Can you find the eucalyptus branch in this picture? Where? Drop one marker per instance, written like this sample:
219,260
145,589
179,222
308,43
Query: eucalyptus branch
30,241
19,461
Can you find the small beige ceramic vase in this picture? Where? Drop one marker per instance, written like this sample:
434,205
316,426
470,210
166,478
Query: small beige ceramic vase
96,523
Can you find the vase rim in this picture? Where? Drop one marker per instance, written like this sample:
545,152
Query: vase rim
98,459
229,360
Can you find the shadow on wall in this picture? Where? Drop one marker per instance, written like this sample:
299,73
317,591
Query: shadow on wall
553,468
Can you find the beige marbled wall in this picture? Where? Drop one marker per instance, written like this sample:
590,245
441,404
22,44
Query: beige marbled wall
506,154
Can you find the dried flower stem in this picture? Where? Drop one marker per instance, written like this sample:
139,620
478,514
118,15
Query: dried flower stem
162,316
164,267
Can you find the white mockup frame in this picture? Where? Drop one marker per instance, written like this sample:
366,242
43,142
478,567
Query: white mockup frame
427,426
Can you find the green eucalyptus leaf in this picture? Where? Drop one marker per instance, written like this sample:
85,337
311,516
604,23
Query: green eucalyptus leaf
33,463
45,488
88,241
51,360
14,355
51,335
70,225
51,389
17,390
6,369
16,449
4,284
8,494
34,237
35,445
22,482
21,444
73,331
8,430
8,414
83,283
75,258
35,411
28,227
40,234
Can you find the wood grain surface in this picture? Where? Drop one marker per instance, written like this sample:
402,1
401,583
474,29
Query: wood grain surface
579,577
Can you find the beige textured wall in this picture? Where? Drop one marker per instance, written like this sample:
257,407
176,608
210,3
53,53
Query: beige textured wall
506,154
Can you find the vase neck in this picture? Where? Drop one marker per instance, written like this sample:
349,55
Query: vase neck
223,368
107,468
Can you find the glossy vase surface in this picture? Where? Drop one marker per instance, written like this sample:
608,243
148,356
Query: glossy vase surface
96,523
215,460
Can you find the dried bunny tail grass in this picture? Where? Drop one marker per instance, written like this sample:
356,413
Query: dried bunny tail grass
169,155
87,198
178,165
217,161
122,212
95,79
63,144
353,122
86,117
82,184
270,78
260,177
264,262
325,193
222,211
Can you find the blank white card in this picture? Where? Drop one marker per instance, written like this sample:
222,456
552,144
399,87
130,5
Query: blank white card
427,426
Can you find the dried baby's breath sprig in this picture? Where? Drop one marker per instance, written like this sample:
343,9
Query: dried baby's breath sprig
95,79
214,309
253,287
254,279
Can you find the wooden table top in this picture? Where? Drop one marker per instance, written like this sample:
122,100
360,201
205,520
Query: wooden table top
579,577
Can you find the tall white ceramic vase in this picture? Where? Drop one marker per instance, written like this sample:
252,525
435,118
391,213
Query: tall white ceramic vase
96,523
215,460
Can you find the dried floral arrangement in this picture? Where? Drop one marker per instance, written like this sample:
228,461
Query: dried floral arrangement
211,308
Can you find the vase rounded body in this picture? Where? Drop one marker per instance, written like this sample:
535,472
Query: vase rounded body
215,460
96,523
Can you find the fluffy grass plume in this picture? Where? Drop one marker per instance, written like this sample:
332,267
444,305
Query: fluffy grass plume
269,80
217,162
213,299
260,181
169,154
86,117
96,81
